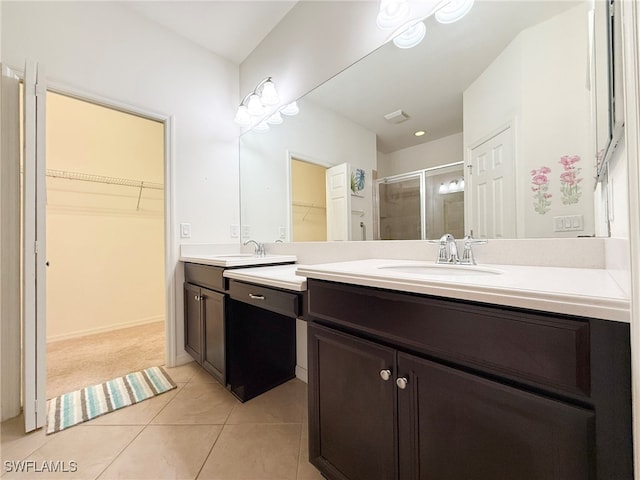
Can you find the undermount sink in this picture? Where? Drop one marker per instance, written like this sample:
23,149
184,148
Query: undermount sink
441,269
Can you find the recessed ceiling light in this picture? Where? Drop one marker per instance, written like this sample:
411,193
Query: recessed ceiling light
419,133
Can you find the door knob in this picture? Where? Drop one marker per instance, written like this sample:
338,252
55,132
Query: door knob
401,382
385,374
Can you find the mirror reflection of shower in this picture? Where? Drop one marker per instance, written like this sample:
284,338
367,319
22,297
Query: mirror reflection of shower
421,205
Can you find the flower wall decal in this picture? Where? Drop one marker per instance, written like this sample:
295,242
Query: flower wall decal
569,180
540,187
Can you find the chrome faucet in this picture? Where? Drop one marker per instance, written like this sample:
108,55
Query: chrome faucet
448,251
260,251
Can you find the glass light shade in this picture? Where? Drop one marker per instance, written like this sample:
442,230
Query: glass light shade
290,109
242,116
254,106
461,185
392,13
261,127
453,11
443,189
411,37
453,186
269,95
275,119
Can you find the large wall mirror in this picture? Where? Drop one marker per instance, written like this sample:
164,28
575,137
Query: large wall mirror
514,103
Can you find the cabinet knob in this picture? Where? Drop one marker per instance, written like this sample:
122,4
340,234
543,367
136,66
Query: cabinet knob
401,382
196,298
385,374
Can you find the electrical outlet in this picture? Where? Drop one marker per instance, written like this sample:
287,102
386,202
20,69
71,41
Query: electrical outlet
185,230
234,231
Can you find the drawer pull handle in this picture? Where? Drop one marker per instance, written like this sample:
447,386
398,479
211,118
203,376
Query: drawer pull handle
401,382
256,297
385,374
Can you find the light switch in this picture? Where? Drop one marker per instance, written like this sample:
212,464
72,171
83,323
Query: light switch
234,231
282,232
246,231
185,230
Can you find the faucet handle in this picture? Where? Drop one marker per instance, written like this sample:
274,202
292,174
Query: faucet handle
442,251
467,254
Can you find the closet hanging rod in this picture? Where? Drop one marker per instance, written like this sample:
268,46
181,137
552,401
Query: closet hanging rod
86,177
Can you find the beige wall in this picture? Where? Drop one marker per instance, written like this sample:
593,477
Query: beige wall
309,207
106,256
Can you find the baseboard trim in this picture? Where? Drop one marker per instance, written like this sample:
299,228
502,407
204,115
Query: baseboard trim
105,328
301,374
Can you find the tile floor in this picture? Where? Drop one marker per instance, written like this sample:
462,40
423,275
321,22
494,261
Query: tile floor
198,430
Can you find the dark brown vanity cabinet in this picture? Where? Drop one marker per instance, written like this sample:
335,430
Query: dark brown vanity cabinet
407,386
204,317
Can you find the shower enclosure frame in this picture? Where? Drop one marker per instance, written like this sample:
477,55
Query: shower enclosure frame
421,175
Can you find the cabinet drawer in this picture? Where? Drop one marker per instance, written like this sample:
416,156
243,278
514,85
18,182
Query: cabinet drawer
204,275
264,297
547,350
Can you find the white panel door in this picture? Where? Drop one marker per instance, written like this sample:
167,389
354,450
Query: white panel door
492,188
339,202
34,255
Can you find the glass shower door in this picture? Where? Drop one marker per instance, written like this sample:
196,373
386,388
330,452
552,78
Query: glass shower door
400,203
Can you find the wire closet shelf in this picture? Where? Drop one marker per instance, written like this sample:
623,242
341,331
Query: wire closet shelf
87,177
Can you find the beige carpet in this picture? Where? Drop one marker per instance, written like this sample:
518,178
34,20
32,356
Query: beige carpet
79,362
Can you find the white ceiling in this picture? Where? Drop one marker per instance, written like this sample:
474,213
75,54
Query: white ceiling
230,29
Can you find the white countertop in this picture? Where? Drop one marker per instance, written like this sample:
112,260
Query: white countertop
235,259
574,291
279,276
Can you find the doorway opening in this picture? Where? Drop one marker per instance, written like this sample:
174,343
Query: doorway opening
105,237
308,201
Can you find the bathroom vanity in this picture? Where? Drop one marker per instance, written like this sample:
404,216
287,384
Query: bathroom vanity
410,381
212,324
264,305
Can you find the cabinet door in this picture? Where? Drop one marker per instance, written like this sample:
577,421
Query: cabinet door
351,408
192,322
454,425
213,355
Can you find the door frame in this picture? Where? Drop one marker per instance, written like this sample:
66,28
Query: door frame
170,232
292,155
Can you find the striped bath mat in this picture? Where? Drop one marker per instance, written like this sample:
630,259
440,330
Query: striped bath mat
76,407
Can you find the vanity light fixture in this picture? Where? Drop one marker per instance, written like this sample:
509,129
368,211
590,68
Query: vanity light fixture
451,187
290,109
392,13
395,15
253,104
411,36
275,119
